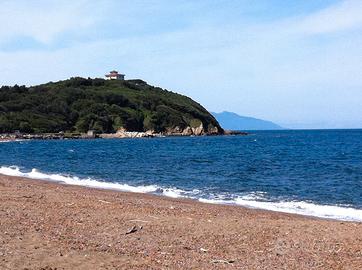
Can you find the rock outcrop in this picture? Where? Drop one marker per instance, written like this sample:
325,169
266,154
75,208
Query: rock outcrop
176,131
197,131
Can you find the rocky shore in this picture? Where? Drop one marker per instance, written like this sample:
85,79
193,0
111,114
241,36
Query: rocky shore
121,133
46,225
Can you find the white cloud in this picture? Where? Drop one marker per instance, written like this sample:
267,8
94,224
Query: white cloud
41,20
346,15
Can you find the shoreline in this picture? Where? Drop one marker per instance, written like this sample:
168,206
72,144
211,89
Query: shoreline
74,227
161,196
300,208
9,137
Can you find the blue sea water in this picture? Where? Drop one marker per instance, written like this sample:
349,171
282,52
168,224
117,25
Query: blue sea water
315,172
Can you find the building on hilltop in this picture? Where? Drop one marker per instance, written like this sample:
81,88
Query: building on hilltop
114,75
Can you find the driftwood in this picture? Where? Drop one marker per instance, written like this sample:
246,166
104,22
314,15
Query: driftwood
223,261
134,229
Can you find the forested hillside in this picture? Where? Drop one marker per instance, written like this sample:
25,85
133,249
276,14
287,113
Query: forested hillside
79,105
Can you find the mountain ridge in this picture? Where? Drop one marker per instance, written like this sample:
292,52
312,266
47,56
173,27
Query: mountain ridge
233,121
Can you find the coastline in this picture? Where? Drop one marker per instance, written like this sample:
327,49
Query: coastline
71,227
250,200
9,137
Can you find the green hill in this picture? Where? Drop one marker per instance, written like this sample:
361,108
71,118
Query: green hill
79,105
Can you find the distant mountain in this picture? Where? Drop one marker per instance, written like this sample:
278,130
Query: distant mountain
233,121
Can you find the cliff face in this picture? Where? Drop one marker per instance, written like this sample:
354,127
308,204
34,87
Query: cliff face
79,105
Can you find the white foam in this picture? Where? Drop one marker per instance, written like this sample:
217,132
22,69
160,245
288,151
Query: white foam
172,193
251,200
179,193
73,180
296,207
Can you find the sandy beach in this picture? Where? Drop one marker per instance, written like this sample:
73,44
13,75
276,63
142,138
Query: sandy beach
46,225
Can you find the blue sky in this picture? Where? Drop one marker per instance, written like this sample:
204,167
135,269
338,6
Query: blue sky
297,63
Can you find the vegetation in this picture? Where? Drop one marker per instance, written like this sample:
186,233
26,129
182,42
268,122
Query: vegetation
79,105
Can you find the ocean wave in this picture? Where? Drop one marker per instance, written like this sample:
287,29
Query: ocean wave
10,141
251,200
295,207
74,180
88,182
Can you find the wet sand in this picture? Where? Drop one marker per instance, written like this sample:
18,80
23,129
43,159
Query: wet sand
46,225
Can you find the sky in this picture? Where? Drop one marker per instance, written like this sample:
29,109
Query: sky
297,63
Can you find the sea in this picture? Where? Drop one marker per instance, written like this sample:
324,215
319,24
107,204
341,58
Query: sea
308,172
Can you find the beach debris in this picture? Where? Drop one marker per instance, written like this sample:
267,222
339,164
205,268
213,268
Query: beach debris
223,261
134,229
203,250
103,201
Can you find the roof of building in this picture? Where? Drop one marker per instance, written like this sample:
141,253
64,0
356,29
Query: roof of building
114,73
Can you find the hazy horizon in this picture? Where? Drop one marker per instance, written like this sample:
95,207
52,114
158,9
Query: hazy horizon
296,63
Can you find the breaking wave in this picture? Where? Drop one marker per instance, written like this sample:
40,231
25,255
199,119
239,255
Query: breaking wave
296,207
251,200
74,180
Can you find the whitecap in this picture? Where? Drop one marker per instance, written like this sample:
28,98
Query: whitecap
74,180
295,207
256,200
